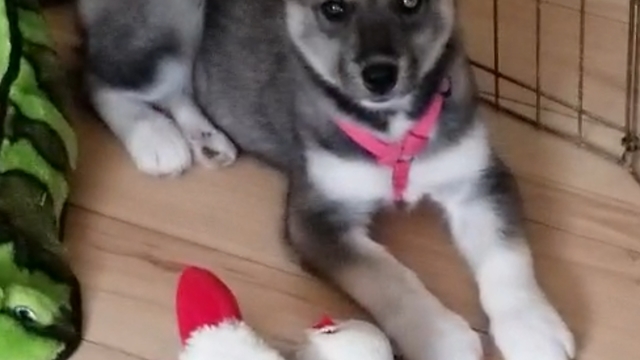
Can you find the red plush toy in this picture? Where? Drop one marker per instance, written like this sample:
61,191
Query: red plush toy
211,328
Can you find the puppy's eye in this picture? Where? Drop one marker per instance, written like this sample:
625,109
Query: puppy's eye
410,6
335,10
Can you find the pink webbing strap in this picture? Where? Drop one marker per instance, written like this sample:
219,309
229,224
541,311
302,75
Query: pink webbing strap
399,155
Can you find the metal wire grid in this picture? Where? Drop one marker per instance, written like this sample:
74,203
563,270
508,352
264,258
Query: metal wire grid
628,155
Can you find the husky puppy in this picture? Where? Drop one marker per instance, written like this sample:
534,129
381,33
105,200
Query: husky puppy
184,81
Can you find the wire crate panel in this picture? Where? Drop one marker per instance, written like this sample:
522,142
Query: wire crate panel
568,67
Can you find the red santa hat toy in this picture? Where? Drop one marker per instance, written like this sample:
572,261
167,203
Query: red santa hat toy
210,322
211,328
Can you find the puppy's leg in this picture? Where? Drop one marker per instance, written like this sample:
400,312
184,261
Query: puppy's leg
153,141
485,219
332,239
140,56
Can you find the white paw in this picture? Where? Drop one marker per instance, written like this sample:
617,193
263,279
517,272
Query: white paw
532,331
158,148
441,335
211,147
453,339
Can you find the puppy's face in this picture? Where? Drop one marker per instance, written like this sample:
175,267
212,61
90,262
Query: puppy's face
376,51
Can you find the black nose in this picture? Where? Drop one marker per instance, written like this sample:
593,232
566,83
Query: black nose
380,78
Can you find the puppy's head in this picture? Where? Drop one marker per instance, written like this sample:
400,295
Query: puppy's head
375,51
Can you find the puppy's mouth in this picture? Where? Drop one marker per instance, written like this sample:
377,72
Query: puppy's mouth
388,102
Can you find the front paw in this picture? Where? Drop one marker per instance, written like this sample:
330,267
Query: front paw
454,339
441,336
158,148
211,147
532,331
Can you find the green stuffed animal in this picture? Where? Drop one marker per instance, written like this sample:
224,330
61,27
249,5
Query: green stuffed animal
40,303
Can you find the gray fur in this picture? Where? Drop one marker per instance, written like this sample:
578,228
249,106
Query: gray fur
273,75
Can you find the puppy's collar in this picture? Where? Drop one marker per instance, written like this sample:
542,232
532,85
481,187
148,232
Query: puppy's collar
399,155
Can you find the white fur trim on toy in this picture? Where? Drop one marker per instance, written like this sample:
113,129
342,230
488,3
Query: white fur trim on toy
348,340
228,340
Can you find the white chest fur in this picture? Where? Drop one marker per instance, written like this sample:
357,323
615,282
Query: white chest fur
358,181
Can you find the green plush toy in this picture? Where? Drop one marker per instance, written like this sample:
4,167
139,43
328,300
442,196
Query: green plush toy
40,312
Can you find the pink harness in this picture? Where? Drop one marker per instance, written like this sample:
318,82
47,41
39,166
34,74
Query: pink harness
399,155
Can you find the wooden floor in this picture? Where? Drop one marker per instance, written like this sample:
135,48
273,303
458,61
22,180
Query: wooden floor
129,236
